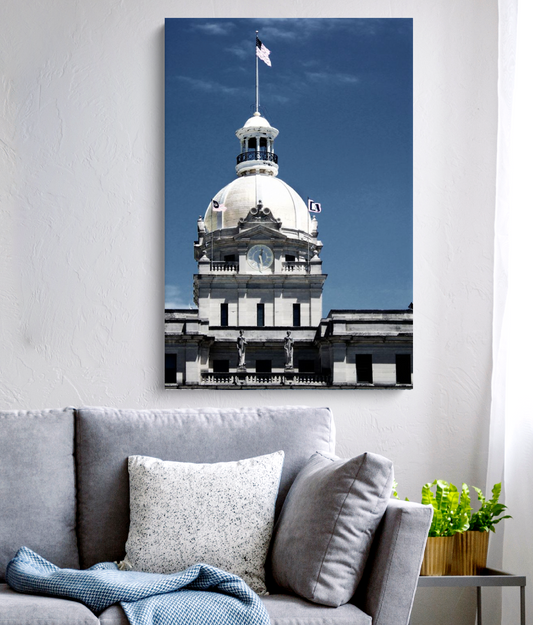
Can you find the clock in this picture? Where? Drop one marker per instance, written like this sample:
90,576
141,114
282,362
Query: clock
260,257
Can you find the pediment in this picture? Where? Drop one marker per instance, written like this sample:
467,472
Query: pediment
259,231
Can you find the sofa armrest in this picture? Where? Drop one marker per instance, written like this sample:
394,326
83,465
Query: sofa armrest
388,587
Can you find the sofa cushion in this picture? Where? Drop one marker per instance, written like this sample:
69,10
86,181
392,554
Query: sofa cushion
290,610
326,527
19,609
114,615
283,610
221,514
37,486
106,437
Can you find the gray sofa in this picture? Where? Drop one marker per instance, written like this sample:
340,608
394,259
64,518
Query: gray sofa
64,493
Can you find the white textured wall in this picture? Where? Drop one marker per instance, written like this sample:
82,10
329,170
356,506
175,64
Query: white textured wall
82,224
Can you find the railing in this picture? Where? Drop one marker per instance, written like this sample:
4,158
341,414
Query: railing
224,265
257,155
246,378
295,266
289,266
307,379
218,378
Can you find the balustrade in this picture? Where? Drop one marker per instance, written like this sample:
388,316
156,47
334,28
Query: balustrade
250,378
295,266
223,265
257,155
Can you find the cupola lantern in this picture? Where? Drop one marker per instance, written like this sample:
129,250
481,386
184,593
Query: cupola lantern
257,147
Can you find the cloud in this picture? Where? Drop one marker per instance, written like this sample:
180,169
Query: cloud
290,28
296,29
280,99
209,86
332,77
174,298
310,63
241,51
301,84
221,27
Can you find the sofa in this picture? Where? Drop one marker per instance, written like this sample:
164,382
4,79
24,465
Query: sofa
64,493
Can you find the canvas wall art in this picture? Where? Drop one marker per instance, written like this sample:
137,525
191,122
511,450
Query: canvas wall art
288,203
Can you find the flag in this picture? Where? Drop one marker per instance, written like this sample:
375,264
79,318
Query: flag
262,51
313,207
217,206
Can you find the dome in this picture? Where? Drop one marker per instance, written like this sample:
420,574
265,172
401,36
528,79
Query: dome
244,193
256,121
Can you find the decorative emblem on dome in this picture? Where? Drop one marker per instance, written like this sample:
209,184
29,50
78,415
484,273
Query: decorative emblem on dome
260,213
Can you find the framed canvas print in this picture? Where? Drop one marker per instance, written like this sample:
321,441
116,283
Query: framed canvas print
288,203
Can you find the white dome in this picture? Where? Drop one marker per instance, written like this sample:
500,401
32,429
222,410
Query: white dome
246,192
256,121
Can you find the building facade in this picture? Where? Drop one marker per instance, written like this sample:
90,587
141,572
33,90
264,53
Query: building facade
258,291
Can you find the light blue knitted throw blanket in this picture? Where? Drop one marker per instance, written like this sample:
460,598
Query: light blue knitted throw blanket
200,594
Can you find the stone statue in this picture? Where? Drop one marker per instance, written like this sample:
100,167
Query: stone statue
241,348
289,350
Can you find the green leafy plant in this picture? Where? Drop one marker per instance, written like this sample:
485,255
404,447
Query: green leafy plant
451,509
394,493
486,517
395,489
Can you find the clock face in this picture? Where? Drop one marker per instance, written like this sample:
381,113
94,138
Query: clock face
260,257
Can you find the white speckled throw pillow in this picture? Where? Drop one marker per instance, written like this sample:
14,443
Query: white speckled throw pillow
220,514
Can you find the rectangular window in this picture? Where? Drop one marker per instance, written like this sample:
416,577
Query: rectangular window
230,258
296,315
290,258
263,366
263,147
403,368
221,366
260,315
170,368
363,367
223,315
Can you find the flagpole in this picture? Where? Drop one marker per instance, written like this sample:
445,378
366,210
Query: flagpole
308,250
256,75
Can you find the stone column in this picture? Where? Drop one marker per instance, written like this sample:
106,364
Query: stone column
192,364
339,369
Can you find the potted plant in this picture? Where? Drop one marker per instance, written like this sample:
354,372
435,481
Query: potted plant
470,548
451,515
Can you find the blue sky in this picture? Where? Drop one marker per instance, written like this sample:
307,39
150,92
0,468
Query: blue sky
340,93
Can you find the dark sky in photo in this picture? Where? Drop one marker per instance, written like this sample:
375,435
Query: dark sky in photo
340,93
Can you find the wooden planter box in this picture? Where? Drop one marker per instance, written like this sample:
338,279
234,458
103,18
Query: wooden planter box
462,554
438,555
469,553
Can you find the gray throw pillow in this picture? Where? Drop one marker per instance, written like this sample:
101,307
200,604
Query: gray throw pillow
323,535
